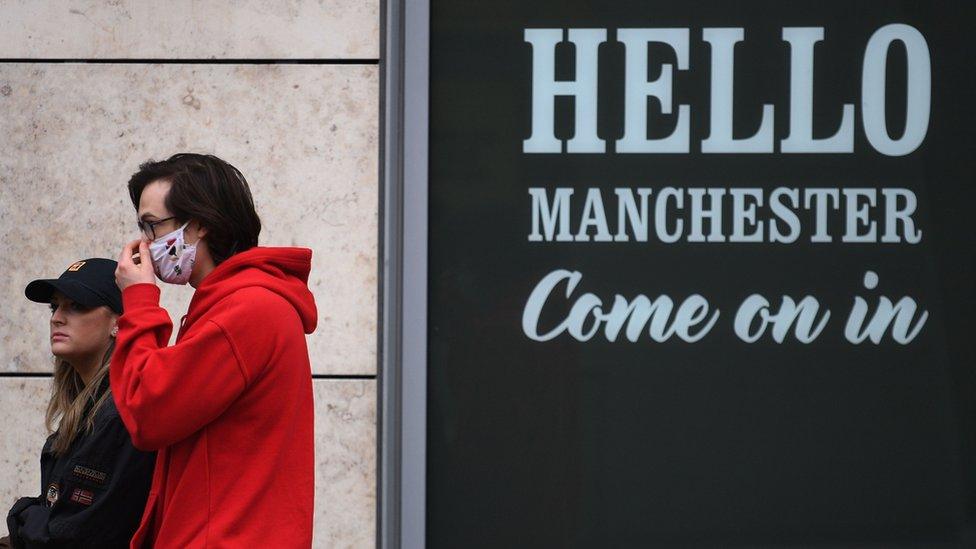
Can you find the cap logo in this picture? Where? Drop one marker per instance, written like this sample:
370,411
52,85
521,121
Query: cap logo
76,266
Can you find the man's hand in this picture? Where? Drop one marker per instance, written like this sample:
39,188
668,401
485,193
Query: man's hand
135,265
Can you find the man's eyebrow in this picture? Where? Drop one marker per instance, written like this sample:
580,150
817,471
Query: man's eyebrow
146,216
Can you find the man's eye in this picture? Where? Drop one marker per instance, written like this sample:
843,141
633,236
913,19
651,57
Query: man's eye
78,307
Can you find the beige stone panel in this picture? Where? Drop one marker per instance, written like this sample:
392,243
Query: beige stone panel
22,404
345,470
345,449
188,29
305,136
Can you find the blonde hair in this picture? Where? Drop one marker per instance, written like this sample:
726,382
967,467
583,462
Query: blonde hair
70,398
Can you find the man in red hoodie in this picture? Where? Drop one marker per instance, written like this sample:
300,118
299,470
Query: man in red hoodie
229,405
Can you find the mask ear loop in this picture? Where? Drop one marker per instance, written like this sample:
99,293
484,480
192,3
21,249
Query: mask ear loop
183,228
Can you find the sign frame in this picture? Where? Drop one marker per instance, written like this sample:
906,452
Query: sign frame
404,155
402,425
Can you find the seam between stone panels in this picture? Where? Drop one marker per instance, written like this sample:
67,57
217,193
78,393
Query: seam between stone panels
314,376
222,61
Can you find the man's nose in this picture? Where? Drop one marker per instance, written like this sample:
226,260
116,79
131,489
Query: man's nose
57,317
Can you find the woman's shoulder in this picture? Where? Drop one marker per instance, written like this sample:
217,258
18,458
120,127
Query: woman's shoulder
107,413
107,423
108,434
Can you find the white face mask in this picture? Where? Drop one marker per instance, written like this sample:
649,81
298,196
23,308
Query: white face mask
172,257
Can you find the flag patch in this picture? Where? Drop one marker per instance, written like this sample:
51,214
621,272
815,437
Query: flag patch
83,497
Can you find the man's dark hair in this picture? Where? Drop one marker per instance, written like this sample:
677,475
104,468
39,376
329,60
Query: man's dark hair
209,191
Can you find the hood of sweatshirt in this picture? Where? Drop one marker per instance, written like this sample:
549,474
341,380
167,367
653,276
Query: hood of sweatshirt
284,271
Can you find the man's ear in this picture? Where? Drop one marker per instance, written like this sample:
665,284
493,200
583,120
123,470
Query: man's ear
200,231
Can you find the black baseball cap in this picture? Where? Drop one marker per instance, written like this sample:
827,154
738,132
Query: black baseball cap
90,282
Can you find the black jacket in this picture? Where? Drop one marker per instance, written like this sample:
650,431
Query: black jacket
92,496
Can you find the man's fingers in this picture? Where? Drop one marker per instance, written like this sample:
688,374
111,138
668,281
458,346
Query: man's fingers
144,253
125,258
135,265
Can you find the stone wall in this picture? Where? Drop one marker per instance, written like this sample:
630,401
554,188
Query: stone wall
287,91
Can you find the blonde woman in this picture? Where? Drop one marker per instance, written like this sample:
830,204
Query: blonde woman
94,484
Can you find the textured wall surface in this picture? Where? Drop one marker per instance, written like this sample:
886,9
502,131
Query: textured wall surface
345,494
21,440
188,29
303,135
75,125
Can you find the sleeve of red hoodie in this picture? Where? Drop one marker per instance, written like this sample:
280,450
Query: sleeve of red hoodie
165,394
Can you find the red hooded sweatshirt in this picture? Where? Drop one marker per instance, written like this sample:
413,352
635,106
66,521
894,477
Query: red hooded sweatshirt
228,406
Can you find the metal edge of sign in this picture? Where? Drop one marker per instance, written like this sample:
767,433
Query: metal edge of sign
402,438
387,521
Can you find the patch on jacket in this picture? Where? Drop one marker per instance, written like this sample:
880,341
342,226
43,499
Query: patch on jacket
83,497
52,494
89,474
